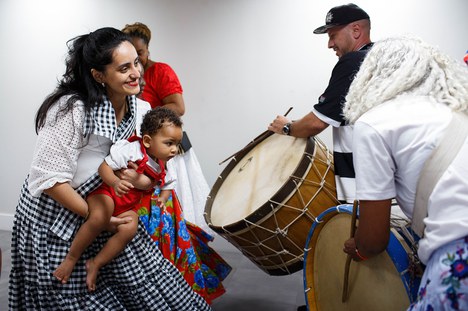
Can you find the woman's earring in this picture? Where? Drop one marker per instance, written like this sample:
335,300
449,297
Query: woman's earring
103,84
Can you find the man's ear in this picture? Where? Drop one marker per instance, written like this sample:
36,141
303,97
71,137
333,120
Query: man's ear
146,140
97,75
356,30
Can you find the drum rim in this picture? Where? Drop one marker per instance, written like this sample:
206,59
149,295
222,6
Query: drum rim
265,209
334,209
396,253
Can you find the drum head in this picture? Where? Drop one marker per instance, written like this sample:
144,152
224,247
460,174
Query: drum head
374,284
256,178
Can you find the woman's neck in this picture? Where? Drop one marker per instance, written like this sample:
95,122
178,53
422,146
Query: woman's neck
120,107
149,63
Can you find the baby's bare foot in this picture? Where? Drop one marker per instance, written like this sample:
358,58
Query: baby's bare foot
92,271
63,272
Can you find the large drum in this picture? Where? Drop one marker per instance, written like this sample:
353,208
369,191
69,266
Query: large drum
268,196
389,281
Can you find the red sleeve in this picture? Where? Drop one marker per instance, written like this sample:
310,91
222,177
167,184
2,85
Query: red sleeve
161,81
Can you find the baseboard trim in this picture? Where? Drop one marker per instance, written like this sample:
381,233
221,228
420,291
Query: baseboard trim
6,221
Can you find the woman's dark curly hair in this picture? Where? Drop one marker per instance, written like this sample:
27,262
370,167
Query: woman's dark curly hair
138,30
154,120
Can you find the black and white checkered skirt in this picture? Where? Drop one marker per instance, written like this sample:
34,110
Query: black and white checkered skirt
140,278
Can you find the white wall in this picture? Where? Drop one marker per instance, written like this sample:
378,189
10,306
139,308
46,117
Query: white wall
241,62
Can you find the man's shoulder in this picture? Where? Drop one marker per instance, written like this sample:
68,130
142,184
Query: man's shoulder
357,55
349,62
352,60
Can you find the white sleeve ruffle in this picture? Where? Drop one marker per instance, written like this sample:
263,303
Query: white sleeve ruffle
57,148
123,151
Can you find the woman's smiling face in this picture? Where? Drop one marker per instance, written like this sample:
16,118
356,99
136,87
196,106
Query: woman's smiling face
121,77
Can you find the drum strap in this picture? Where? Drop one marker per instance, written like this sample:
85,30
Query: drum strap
436,165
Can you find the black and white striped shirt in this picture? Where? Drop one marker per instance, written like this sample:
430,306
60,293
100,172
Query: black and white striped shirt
329,109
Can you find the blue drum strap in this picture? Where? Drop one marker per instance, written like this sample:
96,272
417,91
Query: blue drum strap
436,165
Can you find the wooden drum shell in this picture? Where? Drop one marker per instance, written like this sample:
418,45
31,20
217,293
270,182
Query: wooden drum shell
273,235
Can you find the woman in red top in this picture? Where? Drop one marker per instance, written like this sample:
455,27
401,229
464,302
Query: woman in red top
184,244
162,84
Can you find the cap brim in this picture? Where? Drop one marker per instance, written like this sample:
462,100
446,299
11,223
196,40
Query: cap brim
324,28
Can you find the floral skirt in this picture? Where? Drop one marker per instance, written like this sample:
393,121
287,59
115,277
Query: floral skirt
186,246
444,285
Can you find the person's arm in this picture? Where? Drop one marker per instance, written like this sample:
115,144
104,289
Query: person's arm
64,194
121,162
139,181
58,147
163,197
108,176
307,126
373,232
375,169
170,182
175,102
121,187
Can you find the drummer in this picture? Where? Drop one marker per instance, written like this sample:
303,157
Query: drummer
401,78
348,29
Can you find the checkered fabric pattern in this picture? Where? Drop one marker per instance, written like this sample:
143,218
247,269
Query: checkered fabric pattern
102,120
140,278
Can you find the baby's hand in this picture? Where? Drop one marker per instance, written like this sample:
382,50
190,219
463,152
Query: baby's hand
121,187
161,203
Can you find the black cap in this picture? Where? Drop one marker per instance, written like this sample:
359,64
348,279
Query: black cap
342,15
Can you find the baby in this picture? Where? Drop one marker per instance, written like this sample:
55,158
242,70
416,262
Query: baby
161,133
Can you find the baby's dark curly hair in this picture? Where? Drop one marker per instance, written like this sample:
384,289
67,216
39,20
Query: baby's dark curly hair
155,119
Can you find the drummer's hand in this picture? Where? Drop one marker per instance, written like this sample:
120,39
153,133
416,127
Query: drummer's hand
350,249
277,124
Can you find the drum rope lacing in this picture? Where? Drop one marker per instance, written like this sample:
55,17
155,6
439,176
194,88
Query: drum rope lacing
280,233
253,240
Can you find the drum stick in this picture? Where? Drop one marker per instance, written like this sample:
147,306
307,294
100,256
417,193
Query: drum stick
348,259
262,136
287,112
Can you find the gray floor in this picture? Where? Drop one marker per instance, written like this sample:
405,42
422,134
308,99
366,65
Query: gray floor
247,288
5,239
